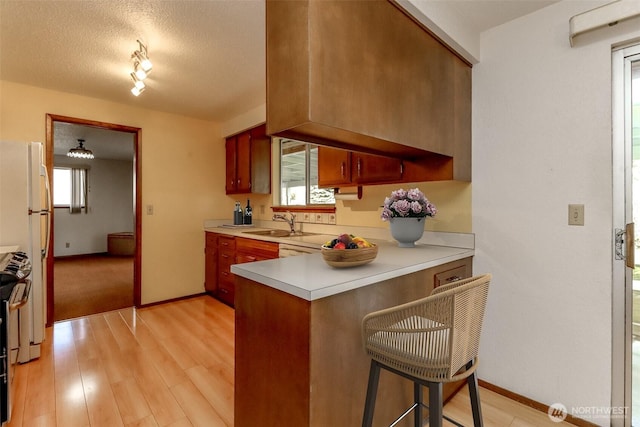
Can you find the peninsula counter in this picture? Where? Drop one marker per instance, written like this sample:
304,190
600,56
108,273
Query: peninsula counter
298,349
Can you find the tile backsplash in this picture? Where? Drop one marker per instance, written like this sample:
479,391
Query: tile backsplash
316,218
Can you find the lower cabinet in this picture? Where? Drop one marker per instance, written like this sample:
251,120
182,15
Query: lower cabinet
226,257
221,252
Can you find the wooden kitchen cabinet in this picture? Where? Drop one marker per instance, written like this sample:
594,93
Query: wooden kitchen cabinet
211,263
248,162
338,167
250,250
221,252
334,167
369,169
226,257
413,101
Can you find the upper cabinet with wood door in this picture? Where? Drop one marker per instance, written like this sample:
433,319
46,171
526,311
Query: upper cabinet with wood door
248,159
364,76
338,168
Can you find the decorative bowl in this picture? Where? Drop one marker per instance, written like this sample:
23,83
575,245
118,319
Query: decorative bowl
341,258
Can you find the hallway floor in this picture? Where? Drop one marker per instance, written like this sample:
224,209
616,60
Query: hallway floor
91,284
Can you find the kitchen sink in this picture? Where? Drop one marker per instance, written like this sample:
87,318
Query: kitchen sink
279,233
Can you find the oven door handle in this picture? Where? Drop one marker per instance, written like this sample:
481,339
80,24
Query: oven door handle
5,370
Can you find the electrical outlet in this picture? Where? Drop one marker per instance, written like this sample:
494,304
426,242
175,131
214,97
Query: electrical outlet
67,245
576,214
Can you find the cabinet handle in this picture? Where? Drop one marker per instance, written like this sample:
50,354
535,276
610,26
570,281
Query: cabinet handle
251,258
342,169
225,256
453,279
224,291
359,163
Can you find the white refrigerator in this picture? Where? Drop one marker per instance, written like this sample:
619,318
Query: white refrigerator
25,207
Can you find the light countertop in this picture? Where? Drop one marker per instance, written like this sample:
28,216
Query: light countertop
310,278
314,241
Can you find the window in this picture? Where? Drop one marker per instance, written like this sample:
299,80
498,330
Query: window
299,175
66,183
62,187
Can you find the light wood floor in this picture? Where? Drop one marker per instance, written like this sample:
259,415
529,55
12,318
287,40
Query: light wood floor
166,365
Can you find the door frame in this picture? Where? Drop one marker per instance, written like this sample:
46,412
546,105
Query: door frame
137,200
622,276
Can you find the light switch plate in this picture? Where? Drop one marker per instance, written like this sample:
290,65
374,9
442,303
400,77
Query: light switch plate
576,214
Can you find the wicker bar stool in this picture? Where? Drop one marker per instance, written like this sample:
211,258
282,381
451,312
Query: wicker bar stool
429,341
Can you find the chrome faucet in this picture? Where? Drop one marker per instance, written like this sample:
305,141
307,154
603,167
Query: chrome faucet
291,220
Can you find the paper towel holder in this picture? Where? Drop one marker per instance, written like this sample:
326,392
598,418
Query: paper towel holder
348,193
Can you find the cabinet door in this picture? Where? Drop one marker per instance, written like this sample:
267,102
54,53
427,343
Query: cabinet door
367,168
334,167
243,162
211,263
260,160
231,185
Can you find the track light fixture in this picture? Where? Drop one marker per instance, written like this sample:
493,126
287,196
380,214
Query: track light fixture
141,68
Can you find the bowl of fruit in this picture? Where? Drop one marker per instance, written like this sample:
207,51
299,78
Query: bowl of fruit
348,250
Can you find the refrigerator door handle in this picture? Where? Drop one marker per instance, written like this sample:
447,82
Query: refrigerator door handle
47,213
47,202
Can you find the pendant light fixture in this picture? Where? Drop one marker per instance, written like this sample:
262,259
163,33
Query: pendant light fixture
80,152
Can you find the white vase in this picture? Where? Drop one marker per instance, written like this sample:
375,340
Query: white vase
407,230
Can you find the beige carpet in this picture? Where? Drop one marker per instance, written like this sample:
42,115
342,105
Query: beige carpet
91,284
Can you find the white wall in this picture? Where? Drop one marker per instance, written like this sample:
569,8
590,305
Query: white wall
110,197
542,140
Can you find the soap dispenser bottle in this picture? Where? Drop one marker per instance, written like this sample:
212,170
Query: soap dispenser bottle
237,214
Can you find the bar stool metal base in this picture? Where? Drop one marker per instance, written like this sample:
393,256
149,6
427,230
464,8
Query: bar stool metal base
435,398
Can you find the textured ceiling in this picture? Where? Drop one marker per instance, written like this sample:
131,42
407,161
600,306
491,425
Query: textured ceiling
105,144
208,55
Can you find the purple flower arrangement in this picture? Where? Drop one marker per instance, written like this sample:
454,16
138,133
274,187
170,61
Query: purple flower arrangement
407,204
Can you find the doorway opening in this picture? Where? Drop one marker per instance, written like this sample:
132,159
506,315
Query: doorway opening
88,243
